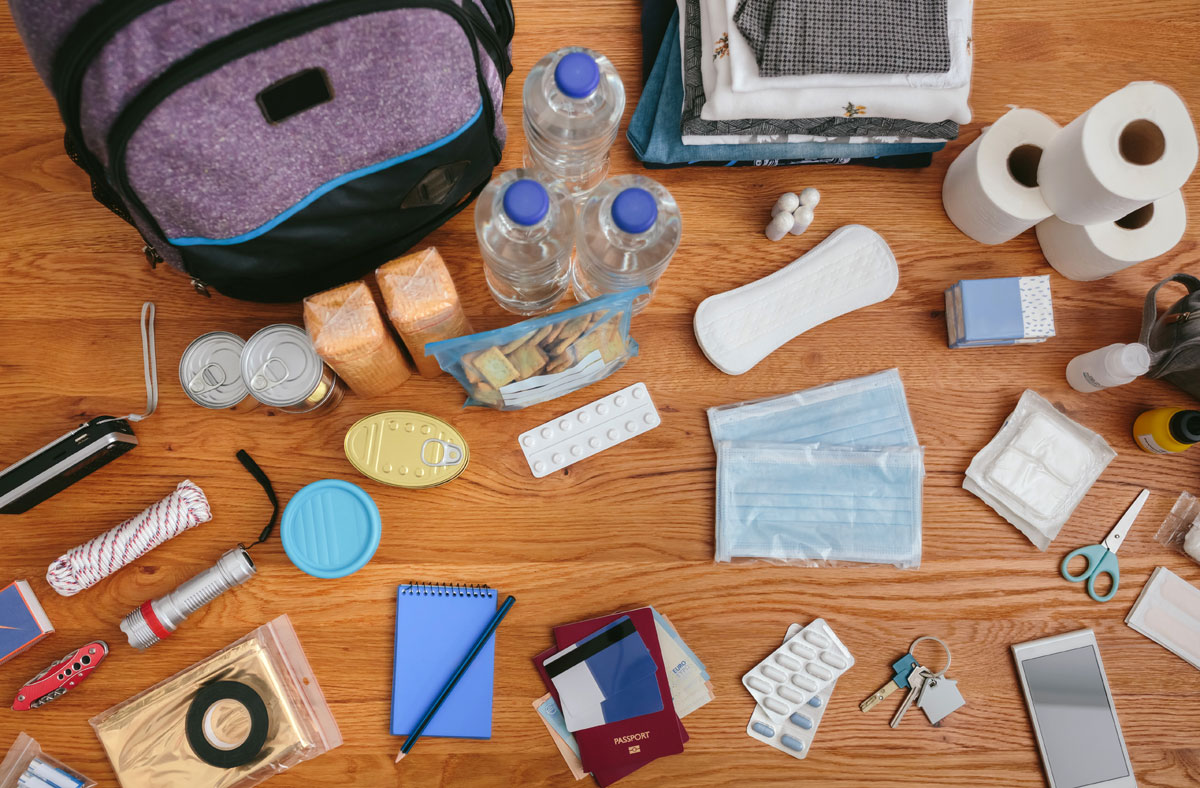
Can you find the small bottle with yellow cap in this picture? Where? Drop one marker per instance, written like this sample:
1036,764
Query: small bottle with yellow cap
1167,430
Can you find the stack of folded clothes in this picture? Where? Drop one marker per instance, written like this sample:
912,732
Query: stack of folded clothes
767,82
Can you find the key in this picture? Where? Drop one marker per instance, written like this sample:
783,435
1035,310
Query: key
901,668
916,685
940,697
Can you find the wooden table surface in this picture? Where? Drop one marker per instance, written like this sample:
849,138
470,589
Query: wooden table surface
634,525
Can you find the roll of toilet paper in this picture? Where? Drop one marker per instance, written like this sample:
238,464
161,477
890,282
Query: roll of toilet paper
1094,251
1133,147
991,190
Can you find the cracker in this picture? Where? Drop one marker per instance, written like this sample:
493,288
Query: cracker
558,364
541,334
516,343
487,395
555,330
606,338
495,367
469,370
528,359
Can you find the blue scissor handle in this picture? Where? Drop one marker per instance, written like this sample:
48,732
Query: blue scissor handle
1099,562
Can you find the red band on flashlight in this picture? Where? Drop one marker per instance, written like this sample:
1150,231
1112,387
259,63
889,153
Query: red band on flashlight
152,620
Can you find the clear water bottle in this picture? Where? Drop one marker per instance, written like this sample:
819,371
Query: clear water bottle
573,103
628,231
525,224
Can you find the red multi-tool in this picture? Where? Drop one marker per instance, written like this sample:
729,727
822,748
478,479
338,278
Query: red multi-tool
61,676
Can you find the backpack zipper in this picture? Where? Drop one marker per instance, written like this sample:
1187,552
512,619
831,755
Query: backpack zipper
260,35
78,50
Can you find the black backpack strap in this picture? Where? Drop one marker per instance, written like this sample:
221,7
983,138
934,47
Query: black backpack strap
1150,311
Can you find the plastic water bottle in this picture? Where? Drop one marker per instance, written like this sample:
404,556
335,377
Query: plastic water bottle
573,103
628,231
525,224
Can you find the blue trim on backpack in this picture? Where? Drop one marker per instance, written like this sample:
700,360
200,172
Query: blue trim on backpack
325,188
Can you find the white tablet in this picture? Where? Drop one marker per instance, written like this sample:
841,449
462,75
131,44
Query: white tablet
1072,711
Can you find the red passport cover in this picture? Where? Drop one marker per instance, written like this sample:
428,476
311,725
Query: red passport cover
617,749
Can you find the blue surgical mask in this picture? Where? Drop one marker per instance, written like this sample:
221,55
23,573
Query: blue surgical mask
866,412
804,503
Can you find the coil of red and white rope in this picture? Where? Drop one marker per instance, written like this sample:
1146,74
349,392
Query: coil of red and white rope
89,563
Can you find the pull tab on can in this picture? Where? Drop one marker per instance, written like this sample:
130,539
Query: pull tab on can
451,454
263,378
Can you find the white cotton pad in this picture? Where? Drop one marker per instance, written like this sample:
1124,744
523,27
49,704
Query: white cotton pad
850,269
1038,468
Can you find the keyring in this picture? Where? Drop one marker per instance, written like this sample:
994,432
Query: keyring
941,673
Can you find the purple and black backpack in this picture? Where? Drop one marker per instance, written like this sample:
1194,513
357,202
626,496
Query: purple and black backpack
274,148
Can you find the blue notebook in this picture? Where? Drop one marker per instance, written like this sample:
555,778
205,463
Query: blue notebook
436,625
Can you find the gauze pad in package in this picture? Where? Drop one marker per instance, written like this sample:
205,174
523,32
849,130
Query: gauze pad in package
813,505
1038,468
537,360
1168,612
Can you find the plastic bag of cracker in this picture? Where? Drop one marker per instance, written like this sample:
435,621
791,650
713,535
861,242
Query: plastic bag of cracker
537,360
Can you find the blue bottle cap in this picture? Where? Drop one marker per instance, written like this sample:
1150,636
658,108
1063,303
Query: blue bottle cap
635,210
330,528
577,75
526,201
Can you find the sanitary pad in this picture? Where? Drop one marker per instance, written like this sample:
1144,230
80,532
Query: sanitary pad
1038,468
852,268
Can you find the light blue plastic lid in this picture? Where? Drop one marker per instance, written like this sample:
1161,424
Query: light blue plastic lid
577,75
526,201
330,528
635,210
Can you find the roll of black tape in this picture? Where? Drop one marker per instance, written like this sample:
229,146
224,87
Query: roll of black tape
205,699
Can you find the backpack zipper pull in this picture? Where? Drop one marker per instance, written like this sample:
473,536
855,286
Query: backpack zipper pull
152,255
200,288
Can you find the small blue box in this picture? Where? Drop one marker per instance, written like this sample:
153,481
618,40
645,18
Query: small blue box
1006,311
22,620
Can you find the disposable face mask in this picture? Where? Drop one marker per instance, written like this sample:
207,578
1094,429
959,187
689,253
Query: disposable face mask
804,504
1038,468
866,412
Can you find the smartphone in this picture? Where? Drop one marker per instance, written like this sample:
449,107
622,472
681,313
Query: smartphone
61,463
1072,711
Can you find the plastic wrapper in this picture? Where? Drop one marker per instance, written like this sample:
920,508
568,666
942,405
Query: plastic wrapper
1180,531
26,757
422,304
816,505
1038,468
537,360
347,331
242,715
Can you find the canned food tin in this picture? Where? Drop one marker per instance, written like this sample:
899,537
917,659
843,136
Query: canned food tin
281,369
406,448
211,374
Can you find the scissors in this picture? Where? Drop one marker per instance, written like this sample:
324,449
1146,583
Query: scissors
1102,558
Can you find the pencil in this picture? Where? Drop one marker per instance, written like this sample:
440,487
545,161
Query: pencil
458,674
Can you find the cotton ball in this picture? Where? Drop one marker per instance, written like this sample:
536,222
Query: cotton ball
1191,543
802,219
810,197
788,202
780,225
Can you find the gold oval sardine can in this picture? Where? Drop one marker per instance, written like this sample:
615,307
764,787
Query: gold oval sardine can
406,448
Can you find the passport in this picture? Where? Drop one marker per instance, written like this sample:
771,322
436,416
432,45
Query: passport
618,749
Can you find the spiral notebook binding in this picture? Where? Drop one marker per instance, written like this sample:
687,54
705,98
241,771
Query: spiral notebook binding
447,589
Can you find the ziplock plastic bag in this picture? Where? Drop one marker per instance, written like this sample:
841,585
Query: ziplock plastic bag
815,505
232,720
1038,468
537,360
26,757
1181,531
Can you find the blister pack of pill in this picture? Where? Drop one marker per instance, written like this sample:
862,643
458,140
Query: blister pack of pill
795,735
589,430
800,669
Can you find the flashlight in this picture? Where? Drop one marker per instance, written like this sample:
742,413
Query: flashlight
158,618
